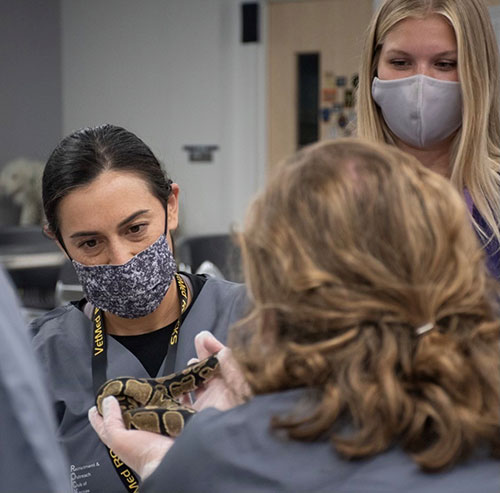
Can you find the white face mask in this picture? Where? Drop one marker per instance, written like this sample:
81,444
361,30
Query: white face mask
419,110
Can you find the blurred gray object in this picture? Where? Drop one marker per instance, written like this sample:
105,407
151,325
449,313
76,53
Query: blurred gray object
31,459
68,287
220,251
33,263
21,182
210,269
9,212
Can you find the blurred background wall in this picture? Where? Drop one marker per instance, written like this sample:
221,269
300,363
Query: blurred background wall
175,72
30,81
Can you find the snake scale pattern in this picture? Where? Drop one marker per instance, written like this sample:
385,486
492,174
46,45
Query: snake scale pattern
151,404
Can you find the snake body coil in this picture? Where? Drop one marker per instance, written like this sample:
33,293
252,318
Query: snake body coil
151,404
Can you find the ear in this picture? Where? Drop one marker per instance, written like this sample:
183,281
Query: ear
48,233
173,208
52,236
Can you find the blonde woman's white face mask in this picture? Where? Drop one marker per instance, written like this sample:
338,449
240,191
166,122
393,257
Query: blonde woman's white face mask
421,111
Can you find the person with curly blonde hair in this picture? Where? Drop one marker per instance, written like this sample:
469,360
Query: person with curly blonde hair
371,352
429,84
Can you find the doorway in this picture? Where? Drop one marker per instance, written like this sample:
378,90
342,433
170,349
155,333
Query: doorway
314,49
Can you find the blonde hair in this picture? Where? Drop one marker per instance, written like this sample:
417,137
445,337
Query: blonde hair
476,149
351,247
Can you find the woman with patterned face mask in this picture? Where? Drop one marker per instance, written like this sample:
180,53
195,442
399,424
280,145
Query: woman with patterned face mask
429,84
112,209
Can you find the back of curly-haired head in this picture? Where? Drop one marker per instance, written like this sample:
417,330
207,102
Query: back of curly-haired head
348,251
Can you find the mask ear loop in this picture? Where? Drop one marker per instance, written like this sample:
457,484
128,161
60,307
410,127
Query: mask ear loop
63,246
48,234
165,207
166,222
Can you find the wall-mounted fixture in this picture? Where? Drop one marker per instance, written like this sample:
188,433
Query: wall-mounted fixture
200,153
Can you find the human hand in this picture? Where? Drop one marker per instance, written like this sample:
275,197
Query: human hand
229,388
140,450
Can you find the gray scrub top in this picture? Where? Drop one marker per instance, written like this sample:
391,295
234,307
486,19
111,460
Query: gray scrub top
236,451
63,341
31,460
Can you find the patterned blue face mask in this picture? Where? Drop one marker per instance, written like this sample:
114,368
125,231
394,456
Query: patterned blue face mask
134,289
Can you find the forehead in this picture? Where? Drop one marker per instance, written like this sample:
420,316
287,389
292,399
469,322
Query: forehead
431,32
105,202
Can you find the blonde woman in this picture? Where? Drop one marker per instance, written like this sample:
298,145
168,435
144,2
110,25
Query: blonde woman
371,351
429,85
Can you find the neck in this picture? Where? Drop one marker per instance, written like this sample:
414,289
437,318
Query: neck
436,158
167,312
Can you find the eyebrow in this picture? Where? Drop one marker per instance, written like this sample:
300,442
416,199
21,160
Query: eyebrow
121,224
402,52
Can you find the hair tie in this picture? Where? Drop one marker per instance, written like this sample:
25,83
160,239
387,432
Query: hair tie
424,328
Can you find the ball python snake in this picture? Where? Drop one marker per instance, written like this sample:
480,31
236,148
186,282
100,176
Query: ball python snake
151,404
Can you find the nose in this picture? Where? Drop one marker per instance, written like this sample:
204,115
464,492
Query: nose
119,252
424,69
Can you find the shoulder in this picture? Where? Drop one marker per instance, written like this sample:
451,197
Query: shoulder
219,299
224,291
217,307
252,418
67,320
247,423
246,428
53,318
240,451
224,286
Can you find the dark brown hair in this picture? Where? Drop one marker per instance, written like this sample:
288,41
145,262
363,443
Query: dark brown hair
83,155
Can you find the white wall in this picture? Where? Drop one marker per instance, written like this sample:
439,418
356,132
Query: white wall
175,73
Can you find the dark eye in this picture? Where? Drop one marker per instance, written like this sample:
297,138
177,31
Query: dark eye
136,228
88,244
399,62
446,65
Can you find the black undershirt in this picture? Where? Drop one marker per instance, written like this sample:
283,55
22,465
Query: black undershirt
151,348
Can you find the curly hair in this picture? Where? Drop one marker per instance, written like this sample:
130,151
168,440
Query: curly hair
349,250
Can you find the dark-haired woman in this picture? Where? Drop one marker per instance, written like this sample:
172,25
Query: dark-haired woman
111,208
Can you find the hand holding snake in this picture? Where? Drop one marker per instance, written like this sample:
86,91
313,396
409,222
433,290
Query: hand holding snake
153,404
143,450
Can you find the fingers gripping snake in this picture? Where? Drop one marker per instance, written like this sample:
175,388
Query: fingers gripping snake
151,404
